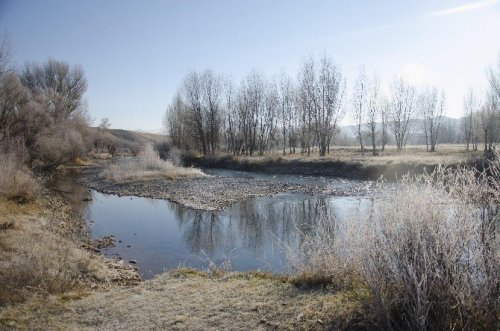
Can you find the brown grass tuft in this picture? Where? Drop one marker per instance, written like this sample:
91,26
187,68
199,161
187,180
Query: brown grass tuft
16,182
33,259
148,166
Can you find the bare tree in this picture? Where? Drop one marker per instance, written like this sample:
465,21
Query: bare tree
320,97
195,117
62,85
471,105
494,80
384,120
13,97
431,105
307,103
5,56
360,104
492,109
174,123
286,99
402,111
102,134
374,110
212,99
489,120
230,127
268,118
254,105
331,95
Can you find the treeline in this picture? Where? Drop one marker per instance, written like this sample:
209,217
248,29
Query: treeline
211,113
481,121
43,115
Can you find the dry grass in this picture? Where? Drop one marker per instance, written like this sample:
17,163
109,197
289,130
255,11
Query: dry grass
187,300
412,154
427,254
16,180
148,166
34,259
41,254
82,162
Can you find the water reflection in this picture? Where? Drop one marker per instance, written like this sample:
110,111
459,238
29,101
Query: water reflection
161,235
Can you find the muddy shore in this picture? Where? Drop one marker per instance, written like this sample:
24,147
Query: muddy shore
211,192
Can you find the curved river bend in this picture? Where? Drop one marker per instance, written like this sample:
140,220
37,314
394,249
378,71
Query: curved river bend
250,235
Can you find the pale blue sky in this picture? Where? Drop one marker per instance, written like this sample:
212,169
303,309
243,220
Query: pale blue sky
136,53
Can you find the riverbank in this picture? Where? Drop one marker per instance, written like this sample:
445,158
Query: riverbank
44,250
212,192
192,300
53,277
345,162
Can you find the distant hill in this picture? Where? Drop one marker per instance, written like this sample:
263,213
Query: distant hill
133,140
137,136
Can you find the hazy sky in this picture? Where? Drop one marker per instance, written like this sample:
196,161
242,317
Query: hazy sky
136,53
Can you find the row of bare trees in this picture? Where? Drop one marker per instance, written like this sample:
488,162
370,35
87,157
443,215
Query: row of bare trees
251,118
372,112
42,110
481,121
212,113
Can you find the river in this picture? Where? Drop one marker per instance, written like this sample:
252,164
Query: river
252,235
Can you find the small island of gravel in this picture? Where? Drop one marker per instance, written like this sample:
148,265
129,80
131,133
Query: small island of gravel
209,192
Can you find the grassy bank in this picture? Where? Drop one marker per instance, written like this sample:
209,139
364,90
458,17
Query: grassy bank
347,162
190,300
44,251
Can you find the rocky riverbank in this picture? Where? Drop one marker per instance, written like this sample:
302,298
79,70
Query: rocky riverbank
212,192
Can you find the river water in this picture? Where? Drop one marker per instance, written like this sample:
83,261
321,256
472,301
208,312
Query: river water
255,235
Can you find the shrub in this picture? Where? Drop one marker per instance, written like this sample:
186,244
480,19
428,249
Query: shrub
59,145
16,182
43,266
428,254
148,165
431,258
321,258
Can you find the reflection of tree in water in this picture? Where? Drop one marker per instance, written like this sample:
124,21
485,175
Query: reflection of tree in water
261,226
203,231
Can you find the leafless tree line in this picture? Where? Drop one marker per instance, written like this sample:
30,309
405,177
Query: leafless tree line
254,117
481,121
212,113
42,109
